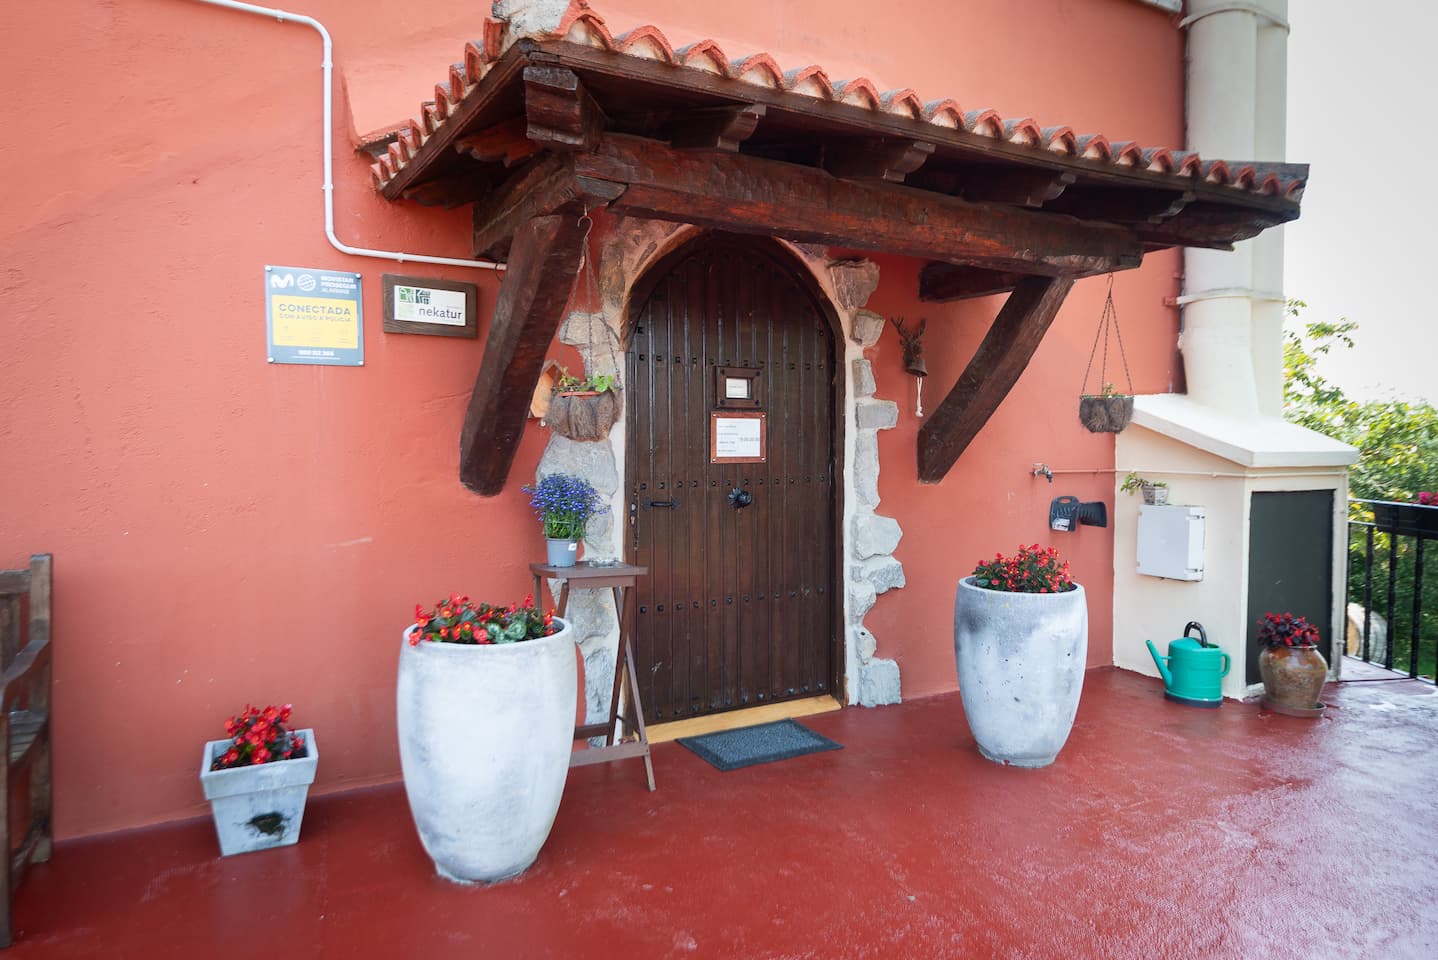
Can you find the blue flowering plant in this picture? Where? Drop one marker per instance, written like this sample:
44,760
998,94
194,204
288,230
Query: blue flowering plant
564,504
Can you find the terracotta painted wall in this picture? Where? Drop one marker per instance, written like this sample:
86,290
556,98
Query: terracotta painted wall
227,531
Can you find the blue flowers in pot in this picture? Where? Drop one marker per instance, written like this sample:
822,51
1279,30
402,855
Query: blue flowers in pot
564,504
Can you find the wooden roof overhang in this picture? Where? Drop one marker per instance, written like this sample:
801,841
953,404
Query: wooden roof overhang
991,205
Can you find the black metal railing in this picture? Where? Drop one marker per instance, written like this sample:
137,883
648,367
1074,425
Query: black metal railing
1385,564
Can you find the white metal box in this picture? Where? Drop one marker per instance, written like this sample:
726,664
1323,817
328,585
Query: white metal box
1170,541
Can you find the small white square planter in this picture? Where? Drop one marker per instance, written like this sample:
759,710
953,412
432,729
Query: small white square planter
259,806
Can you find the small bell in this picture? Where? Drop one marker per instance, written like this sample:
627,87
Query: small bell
914,355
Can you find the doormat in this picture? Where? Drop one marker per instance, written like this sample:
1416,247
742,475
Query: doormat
764,743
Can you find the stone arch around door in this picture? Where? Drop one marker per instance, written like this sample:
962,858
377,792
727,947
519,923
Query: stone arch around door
630,248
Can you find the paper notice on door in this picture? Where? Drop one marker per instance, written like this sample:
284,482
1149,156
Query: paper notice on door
738,438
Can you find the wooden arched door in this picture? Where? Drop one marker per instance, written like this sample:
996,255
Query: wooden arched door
739,608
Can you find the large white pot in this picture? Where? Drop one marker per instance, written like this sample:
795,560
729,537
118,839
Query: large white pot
1020,659
485,733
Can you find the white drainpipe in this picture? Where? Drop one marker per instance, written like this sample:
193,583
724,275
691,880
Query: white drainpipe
328,67
1232,339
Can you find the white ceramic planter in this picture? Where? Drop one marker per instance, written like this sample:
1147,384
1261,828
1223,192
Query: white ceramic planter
1020,660
259,806
485,734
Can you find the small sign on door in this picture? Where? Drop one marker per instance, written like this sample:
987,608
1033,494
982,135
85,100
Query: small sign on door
736,437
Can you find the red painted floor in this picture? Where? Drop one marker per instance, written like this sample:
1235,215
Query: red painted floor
1162,831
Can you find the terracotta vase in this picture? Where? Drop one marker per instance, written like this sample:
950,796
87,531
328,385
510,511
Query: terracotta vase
1292,677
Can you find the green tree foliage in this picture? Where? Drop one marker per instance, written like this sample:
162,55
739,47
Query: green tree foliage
1397,440
1398,458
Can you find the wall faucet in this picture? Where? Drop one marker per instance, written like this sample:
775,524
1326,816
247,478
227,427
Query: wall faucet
1042,470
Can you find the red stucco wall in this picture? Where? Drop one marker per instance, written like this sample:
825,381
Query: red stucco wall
229,531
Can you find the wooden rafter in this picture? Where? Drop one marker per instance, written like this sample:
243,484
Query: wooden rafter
943,282
991,373
715,128
876,159
540,188
542,265
1025,188
560,113
753,195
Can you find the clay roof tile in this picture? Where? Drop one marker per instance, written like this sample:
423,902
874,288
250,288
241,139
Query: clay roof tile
811,81
647,42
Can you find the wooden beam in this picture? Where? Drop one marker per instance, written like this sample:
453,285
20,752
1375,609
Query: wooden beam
991,373
1024,188
1208,226
559,112
661,80
943,282
876,159
753,195
540,188
506,142
450,192
542,265
715,128
1123,206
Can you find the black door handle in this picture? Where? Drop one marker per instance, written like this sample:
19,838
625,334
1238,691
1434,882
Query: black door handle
671,504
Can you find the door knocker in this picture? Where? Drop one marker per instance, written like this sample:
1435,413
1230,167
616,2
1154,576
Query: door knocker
740,498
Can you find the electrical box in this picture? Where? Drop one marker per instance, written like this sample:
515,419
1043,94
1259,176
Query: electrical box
1170,541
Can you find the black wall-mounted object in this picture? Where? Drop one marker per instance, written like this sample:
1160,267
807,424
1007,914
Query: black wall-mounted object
1066,513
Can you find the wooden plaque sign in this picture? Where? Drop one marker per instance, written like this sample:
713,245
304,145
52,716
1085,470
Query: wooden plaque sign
737,437
440,308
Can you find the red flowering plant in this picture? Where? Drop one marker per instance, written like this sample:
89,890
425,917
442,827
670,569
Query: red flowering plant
259,736
1427,499
457,620
1033,569
1286,630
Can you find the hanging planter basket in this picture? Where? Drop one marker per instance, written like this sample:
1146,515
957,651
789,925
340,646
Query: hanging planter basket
584,415
1109,414
1106,411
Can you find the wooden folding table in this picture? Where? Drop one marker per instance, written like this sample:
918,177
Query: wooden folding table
620,578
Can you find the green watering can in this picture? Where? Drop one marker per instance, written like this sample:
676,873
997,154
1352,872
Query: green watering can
1194,670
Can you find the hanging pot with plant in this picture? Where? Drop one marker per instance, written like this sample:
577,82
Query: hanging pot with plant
1106,411
583,408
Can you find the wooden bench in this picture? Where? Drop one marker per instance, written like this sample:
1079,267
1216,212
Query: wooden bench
25,721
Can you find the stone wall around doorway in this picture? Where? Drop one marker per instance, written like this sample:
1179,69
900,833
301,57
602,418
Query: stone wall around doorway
628,248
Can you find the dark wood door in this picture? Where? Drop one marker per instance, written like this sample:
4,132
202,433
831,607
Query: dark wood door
738,609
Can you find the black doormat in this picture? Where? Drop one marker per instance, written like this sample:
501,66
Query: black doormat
766,742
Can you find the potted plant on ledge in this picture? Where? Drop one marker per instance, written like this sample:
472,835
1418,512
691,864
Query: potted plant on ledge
1020,648
1292,669
257,780
564,504
485,713
1153,491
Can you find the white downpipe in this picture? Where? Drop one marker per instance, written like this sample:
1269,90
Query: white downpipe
1232,340
329,188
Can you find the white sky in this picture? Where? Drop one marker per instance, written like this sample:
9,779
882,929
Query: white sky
1362,82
